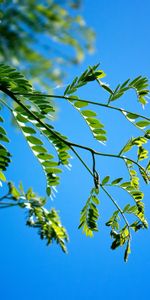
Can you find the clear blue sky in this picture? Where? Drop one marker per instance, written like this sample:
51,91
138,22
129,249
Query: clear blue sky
29,269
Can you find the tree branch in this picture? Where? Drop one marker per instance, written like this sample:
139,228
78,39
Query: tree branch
68,143
85,101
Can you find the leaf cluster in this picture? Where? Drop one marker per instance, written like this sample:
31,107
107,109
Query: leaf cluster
47,222
4,153
90,214
30,118
139,85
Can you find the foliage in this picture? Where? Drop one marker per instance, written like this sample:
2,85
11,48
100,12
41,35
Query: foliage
46,221
89,214
32,112
49,34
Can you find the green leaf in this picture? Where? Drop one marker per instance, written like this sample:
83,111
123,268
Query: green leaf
4,158
138,84
88,75
143,124
21,187
127,251
48,224
4,154
99,74
139,141
106,87
21,119
88,113
113,221
105,180
95,199
148,167
127,147
13,79
13,191
126,208
2,131
30,194
144,175
28,130
89,116
142,153
132,116
147,134
48,191
44,156
2,176
80,104
4,138
34,140
116,181
50,167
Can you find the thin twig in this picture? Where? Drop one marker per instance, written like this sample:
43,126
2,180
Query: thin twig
83,100
82,161
5,205
4,103
4,197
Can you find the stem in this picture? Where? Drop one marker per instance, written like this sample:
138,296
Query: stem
82,161
4,103
85,101
3,197
118,207
6,205
95,173
11,94
93,158
134,162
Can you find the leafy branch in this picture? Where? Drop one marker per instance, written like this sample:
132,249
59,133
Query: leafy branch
124,235
33,115
68,143
46,221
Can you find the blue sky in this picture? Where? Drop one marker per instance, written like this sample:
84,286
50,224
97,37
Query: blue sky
29,269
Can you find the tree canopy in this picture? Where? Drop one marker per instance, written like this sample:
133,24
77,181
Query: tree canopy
42,38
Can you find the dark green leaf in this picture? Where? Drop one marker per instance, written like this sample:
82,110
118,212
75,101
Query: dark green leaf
105,180
33,140
143,124
116,181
